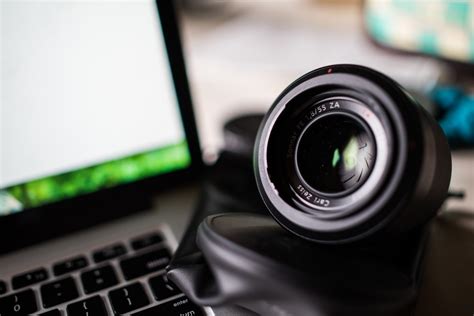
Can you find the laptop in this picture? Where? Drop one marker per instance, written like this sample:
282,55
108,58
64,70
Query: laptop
98,147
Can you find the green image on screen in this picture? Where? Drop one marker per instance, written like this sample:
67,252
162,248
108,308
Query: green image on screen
90,179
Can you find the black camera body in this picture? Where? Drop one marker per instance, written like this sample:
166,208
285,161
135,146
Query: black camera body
345,153
351,168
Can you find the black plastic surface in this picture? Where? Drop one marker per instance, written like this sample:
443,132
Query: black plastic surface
250,261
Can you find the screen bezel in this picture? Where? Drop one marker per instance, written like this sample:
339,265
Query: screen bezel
53,220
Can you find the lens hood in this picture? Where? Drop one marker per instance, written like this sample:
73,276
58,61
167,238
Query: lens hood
345,154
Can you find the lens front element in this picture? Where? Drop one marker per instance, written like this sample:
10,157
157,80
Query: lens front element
335,154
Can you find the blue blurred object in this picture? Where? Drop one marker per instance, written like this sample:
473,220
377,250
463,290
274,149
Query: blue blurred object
457,120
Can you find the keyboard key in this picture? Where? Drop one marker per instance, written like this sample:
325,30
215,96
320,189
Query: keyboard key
70,265
110,252
128,298
143,264
98,279
91,306
146,241
57,292
29,278
53,312
21,303
163,288
3,287
178,307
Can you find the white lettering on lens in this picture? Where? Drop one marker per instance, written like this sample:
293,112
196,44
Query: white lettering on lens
334,105
322,202
304,192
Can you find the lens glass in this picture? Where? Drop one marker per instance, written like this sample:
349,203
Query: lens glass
336,153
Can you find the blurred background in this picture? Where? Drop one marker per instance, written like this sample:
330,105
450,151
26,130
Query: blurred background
242,54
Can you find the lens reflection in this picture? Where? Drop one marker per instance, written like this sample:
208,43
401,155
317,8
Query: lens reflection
335,153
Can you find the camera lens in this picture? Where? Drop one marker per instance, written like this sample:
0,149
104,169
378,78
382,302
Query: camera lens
346,154
335,154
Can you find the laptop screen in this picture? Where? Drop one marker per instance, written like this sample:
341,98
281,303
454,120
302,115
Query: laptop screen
87,100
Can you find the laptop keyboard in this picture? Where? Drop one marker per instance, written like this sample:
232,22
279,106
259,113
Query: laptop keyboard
122,278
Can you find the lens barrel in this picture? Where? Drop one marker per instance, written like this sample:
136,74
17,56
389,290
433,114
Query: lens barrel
346,154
